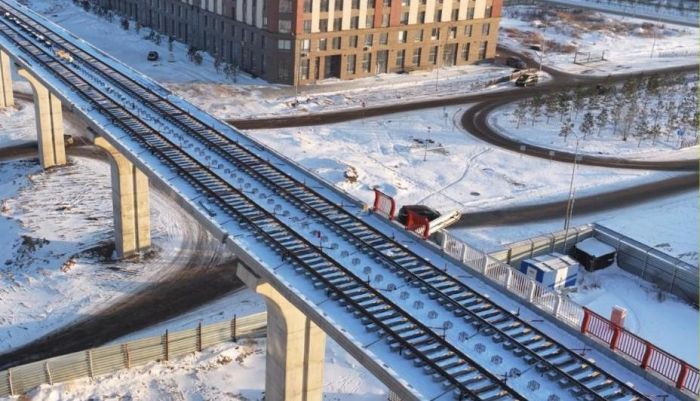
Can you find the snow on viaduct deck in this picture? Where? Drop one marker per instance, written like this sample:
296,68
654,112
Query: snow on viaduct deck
324,263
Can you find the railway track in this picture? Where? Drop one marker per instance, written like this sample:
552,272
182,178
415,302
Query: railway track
428,351
403,332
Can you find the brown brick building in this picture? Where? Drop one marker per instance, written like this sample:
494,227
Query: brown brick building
301,41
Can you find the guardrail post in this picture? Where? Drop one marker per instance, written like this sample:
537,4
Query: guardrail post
463,255
509,277
167,345
682,375
127,357
91,372
557,305
233,328
586,320
47,370
531,294
615,337
9,381
199,337
647,355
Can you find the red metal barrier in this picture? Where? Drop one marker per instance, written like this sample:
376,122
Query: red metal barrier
414,222
384,203
682,374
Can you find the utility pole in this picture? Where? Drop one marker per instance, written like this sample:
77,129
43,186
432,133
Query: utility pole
572,197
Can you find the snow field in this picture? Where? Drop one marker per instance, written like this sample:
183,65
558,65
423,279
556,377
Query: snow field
627,42
456,171
653,124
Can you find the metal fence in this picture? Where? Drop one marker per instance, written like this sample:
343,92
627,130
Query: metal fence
588,57
668,273
561,241
110,358
685,377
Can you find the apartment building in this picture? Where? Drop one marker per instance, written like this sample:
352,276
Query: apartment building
303,41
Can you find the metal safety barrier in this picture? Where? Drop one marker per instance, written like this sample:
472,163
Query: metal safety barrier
110,358
650,358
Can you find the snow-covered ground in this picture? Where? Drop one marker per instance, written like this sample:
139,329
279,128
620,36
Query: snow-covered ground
230,371
456,171
55,229
668,10
627,42
651,124
662,318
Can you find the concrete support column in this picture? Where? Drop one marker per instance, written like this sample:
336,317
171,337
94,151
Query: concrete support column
7,98
132,223
49,123
295,347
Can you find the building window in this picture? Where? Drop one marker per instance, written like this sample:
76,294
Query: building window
337,24
324,6
338,5
285,26
416,56
465,51
488,12
304,68
387,3
336,42
485,29
482,50
435,34
385,20
284,44
404,3
307,26
470,13
369,38
384,38
400,55
468,31
354,22
366,62
455,15
352,41
369,21
453,32
356,4
351,64
438,13
432,56
307,6
323,25
419,35
322,45
423,2
305,44
404,18
402,36
285,6
421,17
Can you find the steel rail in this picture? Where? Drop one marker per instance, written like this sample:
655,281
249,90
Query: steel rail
150,139
448,299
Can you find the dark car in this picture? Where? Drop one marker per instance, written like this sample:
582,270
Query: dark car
153,56
421,210
516,63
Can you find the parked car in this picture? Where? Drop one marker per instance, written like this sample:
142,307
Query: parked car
516,63
153,56
527,79
421,210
